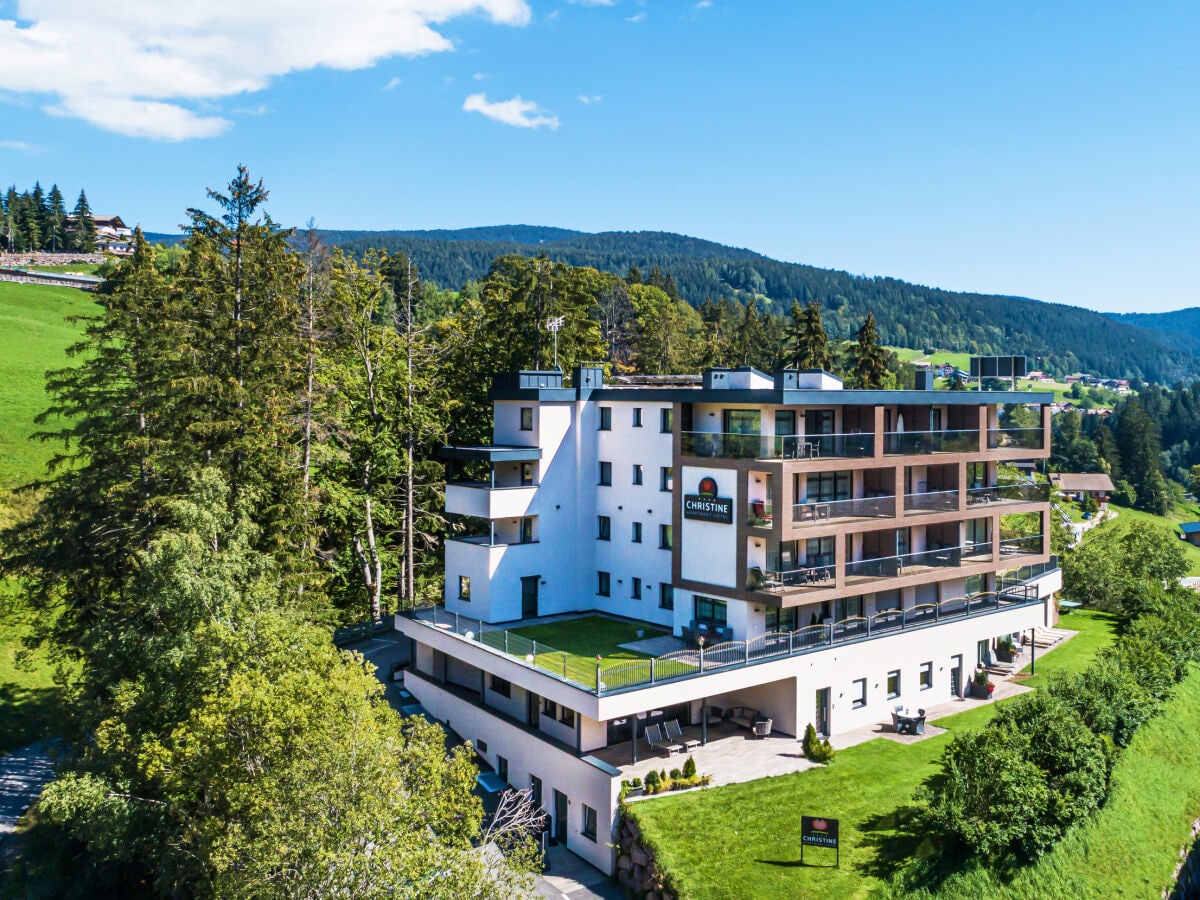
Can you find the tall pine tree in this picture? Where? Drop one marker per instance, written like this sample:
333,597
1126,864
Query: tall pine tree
809,341
870,359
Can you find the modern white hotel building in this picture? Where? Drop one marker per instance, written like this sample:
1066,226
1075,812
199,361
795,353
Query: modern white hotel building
808,553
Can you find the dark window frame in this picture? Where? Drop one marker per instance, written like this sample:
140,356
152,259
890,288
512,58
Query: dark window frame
603,583
605,474
605,418
526,418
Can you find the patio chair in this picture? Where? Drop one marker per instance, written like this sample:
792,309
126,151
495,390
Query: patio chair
762,728
654,738
675,734
919,724
756,580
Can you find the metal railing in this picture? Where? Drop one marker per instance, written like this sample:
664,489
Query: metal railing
601,677
483,540
931,501
915,443
1022,492
865,507
1016,438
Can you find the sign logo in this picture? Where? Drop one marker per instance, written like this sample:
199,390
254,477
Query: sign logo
706,506
818,832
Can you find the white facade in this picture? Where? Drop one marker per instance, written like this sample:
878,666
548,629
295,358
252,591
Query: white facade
601,500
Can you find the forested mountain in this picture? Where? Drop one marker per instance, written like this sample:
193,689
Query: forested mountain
1179,327
1057,337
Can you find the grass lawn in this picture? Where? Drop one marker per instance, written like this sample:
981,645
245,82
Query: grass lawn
76,269
33,338
717,842
577,642
29,700
1097,632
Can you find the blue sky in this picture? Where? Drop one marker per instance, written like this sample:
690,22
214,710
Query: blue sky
1041,149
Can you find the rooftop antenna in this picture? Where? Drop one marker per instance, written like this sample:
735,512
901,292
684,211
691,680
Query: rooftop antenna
553,324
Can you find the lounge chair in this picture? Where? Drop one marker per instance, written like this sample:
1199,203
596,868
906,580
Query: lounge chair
762,728
757,581
654,738
675,734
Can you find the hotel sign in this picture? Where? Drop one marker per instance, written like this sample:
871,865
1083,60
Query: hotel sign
706,506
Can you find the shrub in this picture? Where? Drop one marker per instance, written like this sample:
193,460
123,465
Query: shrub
652,782
816,749
676,774
689,768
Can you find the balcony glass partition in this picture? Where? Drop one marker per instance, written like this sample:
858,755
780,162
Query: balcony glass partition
1016,438
754,446
866,507
917,443
1024,492
931,501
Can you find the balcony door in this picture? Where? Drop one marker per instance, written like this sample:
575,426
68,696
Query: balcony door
529,596
956,673
560,818
822,717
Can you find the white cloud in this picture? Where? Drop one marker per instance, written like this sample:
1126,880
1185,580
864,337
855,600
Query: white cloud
24,146
146,69
393,82
479,76
704,4
589,99
516,112
593,2
636,18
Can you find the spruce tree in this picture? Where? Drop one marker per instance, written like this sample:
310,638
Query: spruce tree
56,221
83,237
870,359
810,343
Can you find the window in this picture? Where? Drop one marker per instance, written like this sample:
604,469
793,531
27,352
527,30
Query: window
566,716
606,473
709,610
589,823
637,532
501,687
549,709
743,421
781,619
603,584
664,537
976,584
606,418
535,790
893,684
926,676
636,590
481,744
666,596
637,417
527,530
666,420
785,421
502,768
527,418
464,588
603,528
824,487
666,479
637,473
858,693
526,474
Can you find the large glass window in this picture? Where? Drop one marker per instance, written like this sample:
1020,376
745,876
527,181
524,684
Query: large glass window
825,487
818,421
785,421
820,551
781,619
709,610
743,421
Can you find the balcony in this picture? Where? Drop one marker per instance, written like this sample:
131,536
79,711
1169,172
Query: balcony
723,445
837,510
815,577
1010,494
931,501
906,564
759,514
1016,439
482,500
920,443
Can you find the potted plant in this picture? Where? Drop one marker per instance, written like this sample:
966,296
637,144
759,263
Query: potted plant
1006,649
981,688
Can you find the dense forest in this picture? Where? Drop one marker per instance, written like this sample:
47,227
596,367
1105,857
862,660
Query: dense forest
1179,327
1058,338
1061,339
39,220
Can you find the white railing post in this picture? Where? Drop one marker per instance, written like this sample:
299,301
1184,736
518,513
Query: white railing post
652,660
747,648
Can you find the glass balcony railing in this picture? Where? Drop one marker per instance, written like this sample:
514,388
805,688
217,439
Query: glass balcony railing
931,501
1027,545
1024,492
824,510
1016,438
916,443
757,446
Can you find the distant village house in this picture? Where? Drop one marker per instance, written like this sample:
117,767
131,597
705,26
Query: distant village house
1077,485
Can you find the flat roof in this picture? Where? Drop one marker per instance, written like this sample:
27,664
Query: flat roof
773,396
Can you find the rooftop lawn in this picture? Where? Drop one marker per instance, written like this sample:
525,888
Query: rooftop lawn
718,841
577,642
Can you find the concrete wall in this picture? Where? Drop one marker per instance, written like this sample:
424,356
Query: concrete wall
709,549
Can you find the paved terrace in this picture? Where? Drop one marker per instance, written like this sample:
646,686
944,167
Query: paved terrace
733,755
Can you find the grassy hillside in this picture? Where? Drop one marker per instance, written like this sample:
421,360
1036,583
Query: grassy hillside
33,338
717,842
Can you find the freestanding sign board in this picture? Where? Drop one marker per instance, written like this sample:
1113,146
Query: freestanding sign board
818,831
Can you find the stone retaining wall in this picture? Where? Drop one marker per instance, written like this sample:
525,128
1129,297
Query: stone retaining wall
50,259
637,872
